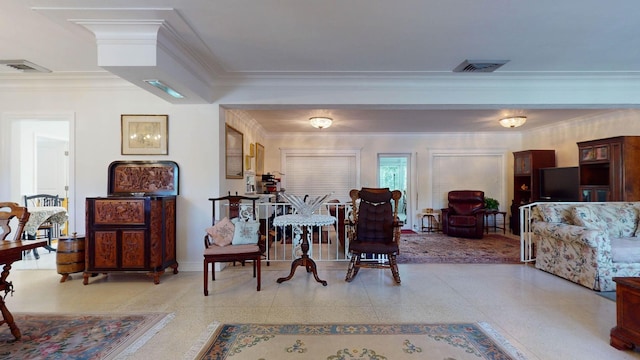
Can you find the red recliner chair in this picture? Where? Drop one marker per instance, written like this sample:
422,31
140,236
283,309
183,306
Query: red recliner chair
465,215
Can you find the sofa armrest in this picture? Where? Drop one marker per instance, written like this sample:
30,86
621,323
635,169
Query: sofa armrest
572,233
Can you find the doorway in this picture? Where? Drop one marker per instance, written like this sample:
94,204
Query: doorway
394,173
38,150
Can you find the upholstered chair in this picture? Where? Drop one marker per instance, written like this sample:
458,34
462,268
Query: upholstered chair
464,216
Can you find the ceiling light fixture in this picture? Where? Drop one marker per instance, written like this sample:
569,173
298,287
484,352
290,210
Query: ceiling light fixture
162,86
320,122
513,121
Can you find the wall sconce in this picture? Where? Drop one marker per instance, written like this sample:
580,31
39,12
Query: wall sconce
320,122
513,121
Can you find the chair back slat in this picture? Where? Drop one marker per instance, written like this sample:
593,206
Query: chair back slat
9,211
236,208
40,200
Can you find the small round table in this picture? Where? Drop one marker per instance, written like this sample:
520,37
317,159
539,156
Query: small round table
300,226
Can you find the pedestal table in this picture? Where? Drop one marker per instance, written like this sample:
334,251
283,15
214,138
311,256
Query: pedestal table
301,225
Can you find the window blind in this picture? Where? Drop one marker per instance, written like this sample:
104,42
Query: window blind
318,175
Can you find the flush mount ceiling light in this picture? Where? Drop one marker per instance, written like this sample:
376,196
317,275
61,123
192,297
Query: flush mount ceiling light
320,122
162,86
513,121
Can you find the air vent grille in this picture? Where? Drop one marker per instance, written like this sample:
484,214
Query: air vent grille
23,66
479,65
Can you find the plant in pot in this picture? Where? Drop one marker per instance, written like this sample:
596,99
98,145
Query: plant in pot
491,203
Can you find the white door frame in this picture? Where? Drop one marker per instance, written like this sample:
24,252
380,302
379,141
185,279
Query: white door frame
408,224
10,156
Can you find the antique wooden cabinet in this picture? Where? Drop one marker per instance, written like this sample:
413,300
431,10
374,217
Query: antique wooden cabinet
609,169
133,232
526,180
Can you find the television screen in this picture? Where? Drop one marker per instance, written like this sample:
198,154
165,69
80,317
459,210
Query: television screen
559,184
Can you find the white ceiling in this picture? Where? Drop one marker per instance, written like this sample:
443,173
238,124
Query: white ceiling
231,40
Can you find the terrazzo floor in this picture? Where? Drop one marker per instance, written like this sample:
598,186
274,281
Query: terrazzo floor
544,316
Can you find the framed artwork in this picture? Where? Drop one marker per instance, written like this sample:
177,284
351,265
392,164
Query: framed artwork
259,159
144,135
588,154
602,152
234,153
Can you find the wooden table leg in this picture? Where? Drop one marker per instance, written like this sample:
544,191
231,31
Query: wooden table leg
6,314
8,319
304,260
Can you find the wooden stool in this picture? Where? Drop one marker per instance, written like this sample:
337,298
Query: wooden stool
70,255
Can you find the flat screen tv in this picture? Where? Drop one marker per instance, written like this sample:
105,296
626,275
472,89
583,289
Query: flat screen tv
559,184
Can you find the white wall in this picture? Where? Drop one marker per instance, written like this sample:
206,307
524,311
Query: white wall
193,144
563,138
421,146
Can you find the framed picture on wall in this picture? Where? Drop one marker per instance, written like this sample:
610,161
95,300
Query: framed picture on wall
234,153
144,134
259,159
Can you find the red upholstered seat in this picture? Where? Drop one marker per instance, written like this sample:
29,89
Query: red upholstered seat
464,216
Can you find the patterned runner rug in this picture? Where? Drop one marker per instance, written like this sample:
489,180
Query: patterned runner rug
69,336
353,341
443,249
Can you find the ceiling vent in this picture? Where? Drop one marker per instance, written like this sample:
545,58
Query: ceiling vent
479,65
22,66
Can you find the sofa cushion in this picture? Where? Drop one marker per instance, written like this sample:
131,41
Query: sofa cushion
462,220
585,216
555,213
623,220
625,250
616,221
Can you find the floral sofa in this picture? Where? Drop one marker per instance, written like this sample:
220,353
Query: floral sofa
588,243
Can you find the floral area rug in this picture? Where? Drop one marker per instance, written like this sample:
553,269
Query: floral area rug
67,336
354,341
439,248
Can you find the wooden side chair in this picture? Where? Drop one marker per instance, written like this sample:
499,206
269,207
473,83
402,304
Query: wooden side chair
11,249
235,238
47,229
374,230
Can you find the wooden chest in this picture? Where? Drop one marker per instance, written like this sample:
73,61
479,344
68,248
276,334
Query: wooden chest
131,232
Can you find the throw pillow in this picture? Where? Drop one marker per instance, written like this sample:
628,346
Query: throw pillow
585,216
246,232
621,220
222,232
555,213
